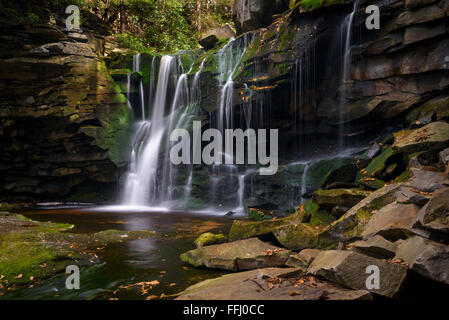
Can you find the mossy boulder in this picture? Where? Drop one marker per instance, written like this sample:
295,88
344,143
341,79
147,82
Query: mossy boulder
239,255
435,108
376,166
246,229
297,236
328,199
434,136
344,176
351,225
322,218
208,238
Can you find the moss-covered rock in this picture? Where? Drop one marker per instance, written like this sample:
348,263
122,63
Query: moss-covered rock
351,225
328,199
246,229
435,108
322,218
297,236
208,238
239,255
433,136
32,251
376,166
371,183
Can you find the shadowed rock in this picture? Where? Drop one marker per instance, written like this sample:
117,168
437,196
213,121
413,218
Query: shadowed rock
435,214
349,269
376,247
270,284
427,258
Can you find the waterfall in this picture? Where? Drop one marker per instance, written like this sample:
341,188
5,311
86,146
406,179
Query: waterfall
347,35
140,185
304,182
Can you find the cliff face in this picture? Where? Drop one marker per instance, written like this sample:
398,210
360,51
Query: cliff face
64,123
392,72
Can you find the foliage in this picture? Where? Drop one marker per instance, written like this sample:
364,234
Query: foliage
152,25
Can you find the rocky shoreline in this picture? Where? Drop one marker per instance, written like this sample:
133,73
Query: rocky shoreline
401,229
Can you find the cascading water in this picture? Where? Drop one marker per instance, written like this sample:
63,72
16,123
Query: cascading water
140,186
151,176
346,34
173,101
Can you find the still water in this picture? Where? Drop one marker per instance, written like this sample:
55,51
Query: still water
133,261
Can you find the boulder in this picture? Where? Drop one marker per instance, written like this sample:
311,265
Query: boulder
433,136
394,221
303,259
344,176
296,236
322,218
327,199
427,258
208,238
250,15
269,284
410,195
435,214
427,181
376,166
351,225
349,269
247,229
376,247
239,255
211,38
436,108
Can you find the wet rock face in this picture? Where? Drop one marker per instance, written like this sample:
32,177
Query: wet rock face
396,71
254,14
64,123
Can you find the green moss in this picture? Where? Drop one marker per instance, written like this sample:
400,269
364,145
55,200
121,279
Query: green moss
372,183
209,238
321,218
404,176
259,215
297,236
315,4
377,165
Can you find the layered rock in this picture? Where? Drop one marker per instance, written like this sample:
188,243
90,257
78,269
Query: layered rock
64,122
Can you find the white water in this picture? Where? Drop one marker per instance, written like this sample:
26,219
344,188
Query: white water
347,34
141,186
